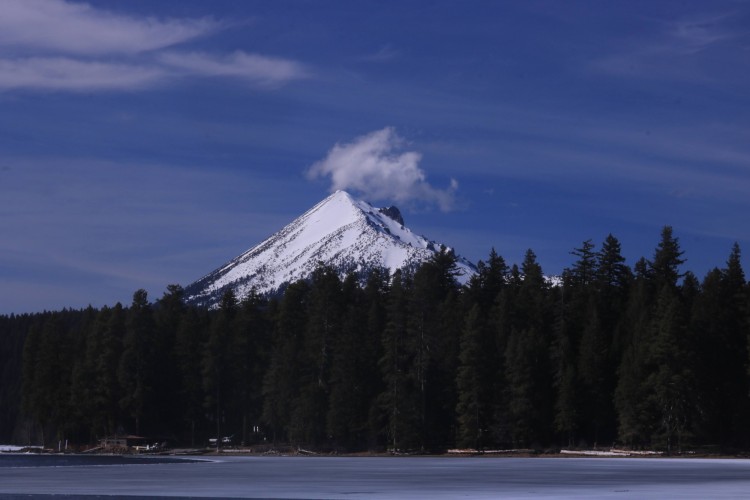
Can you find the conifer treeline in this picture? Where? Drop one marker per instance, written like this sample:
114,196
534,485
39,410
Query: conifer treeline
642,357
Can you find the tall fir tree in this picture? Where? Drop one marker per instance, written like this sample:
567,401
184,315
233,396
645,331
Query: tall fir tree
574,308
282,379
308,425
527,362
670,383
600,350
665,266
399,400
168,312
719,320
433,340
479,358
136,367
188,360
217,356
352,364
506,319
107,387
86,341
250,352
633,340
472,408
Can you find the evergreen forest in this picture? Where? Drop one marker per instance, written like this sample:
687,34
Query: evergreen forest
648,356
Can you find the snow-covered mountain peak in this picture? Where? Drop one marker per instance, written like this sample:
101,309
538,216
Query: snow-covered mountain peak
341,231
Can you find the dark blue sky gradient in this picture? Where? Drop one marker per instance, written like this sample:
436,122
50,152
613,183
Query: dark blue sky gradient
561,121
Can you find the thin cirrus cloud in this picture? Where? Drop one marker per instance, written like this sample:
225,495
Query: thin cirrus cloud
57,45
66,74
693,35
78,28
260,69
685,50
376,166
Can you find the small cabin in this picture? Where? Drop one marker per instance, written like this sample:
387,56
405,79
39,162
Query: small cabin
121,443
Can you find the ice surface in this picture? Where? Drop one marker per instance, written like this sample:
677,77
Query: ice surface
394,477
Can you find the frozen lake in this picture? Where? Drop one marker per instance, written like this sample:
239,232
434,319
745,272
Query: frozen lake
382,477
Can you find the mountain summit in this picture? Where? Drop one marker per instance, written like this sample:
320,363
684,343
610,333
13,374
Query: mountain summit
340,231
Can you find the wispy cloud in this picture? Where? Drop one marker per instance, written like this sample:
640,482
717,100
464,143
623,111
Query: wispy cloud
693,35
63,73
686,49
376,166
78,28
386,53
57,45
252,67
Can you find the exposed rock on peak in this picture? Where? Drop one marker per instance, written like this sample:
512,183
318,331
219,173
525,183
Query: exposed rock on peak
394,213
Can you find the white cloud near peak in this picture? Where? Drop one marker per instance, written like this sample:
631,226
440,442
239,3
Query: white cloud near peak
376,166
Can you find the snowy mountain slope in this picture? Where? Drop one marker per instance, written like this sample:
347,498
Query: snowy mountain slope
341,231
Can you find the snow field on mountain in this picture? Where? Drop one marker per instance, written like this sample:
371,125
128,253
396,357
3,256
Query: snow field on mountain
345,233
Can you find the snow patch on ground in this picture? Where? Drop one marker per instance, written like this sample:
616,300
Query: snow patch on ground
611,453
9,447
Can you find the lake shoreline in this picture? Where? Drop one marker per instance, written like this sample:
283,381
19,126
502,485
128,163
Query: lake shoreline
288,451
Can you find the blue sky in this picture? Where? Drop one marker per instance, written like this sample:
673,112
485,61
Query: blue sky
144,143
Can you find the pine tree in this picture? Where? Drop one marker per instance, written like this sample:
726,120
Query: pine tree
250,351
596,377
612,273
505,320
574,308
566,379
479,357
308,425
721,328
433,340
13,330
30,401
282,380
188,353
472,408
375,300
217,357
168,312
47,391
667,261
527,363
399,400
349,402
652,396
600,351
585,268
83,374
520,358
484,287
671,383
135,372
634,421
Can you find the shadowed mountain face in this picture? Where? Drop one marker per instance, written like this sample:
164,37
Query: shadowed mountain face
340,231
